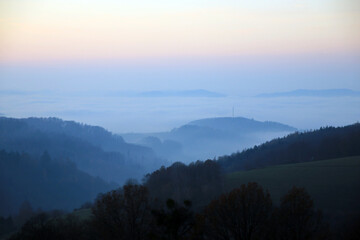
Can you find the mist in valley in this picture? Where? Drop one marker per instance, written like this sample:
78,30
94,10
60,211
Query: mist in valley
179,120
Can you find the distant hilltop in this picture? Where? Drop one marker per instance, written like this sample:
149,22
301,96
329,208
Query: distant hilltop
184,93
313,93
206,138
241,124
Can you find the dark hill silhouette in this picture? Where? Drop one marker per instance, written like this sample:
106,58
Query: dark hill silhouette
95,135
45,183
322,144
93,149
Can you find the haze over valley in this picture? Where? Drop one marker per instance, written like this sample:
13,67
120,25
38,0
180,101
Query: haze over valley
179,120
145,112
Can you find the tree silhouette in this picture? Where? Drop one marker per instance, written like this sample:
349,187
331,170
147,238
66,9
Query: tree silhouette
240,214
6,225
199,181
297,218
25,213
122,213
52,226
173,223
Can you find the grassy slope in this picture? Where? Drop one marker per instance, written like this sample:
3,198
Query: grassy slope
334,184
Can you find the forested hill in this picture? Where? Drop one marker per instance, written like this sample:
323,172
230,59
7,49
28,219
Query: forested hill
325,143
93,149
242,125
97,136
206,138
45,183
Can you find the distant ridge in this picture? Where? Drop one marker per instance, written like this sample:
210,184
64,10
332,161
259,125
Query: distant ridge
184,93
241,124
210,137
313,93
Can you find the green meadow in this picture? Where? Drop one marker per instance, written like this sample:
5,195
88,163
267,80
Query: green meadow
334,184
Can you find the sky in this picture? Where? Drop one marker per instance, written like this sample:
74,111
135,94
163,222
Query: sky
130,39
54,30
43,31
236,47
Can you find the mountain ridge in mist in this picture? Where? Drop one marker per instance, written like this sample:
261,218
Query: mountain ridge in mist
93,149
341,92
211,137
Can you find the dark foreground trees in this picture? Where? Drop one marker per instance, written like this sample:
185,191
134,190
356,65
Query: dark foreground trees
44,226
175,222
241,214
199,181
123,213
297,219
129,213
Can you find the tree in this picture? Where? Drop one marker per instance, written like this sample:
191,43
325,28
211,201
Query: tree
6,225
173,223
123,213
53,226
297,218
25,213
240,214
36,228
351,231
199,181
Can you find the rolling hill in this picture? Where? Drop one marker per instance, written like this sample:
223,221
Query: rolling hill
207,138
93,149
322,144
45,183
242,125
334,184
326,162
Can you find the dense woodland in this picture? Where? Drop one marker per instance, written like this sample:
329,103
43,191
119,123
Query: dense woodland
325,143
200,181
244,213
44,182
93,149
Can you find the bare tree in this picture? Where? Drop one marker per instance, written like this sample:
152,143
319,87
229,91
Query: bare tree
297,218
240,214
123,213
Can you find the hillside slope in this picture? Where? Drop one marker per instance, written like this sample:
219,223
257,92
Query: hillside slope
93,149
334,184
45,183
325,143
